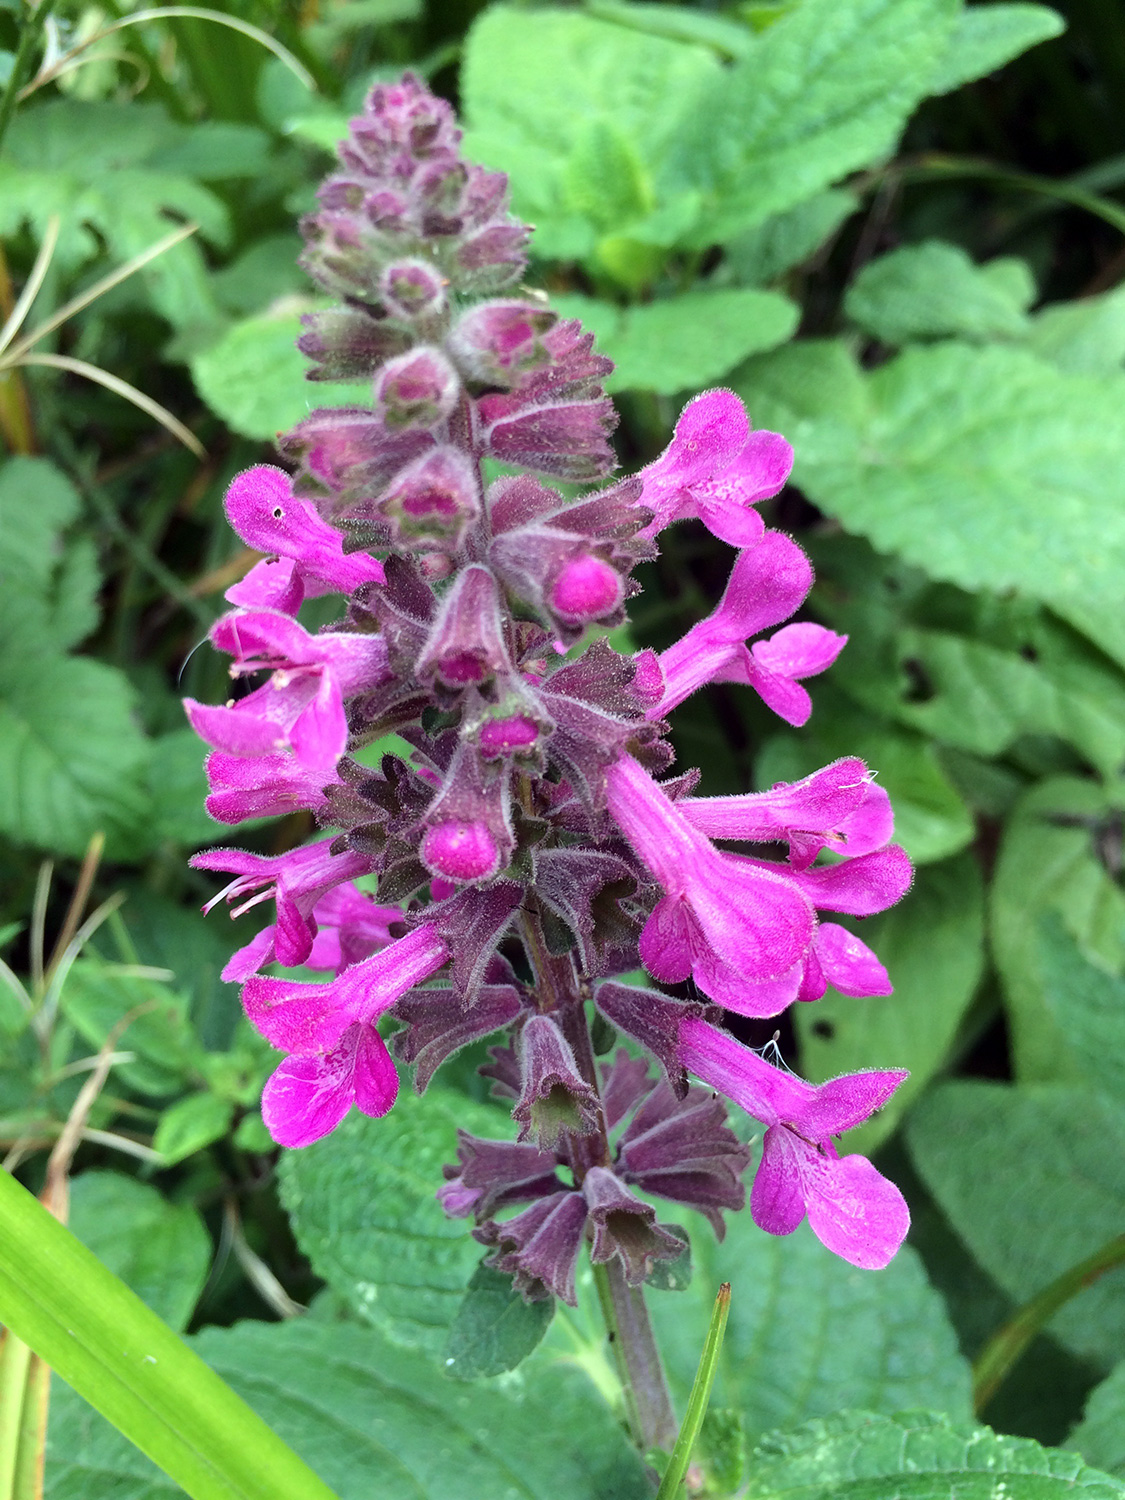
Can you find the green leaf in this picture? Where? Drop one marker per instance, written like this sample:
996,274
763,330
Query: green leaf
72,757
985,37
823,91
932,944
728,37
1089,1006
190,1125
672,1275
933,290
159,1249
785,240
1084,337
931,819
1031,1178
254,377
363,1210
101,1339
918,1455
808,1333
48,587
98,994
1100,1436
541,89
1049,863
684,342
986,467
177,785
495,1329
376,1419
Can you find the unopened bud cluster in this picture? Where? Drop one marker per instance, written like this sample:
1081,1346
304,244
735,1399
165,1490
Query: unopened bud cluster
525,855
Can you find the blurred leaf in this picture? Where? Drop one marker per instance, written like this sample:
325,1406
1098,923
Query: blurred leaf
72,758
1049,862
986,467
679,23
178,786
672,1275
932,944
809,1333
934,290
363,1210
160,1249
190,1125
1033,1179
683,342
373,1418
213,151
254,377
547,92
98,994
785,240
1100,1436
985,37
48,586
495,1329
931,820
1089,1006
98,166
825,90
264,272
1084,337
917,1455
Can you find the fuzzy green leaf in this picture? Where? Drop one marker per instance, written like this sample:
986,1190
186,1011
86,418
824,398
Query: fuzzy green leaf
375,1419
785,240
1100,1436
363,1209
160,1249
986,467
97,995
1084,337
808,1333
254,377
191,1124
48,585
683,342
1089,1006
1050,863
985,37
495,1329
917,1455
73,760
1031,1178
934,290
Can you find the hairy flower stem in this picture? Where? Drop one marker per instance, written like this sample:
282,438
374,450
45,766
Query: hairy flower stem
628,1327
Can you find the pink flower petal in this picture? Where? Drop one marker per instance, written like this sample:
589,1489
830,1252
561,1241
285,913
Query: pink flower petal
777,1204
375,1078
855,1211
306,1098
848,964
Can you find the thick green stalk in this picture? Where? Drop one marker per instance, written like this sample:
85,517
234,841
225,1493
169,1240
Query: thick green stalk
100,1338
629,1329
1007,1344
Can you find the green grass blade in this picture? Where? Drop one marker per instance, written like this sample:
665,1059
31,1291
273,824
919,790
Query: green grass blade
101,1339
699,1398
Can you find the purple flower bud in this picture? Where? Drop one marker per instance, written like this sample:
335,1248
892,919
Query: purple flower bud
498,342
625,1227
413,289
346,343
585,588
433,501
539,1248
460,850
554,1097
466,644
419,389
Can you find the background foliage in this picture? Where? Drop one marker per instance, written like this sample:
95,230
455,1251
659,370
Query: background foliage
895,227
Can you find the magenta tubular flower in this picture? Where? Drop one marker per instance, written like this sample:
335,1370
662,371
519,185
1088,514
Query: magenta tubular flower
306,554
759,928
716,469
851,1208
770,579
337,1057
839,808
296,881
301,707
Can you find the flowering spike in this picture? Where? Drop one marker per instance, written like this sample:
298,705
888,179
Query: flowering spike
522,794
